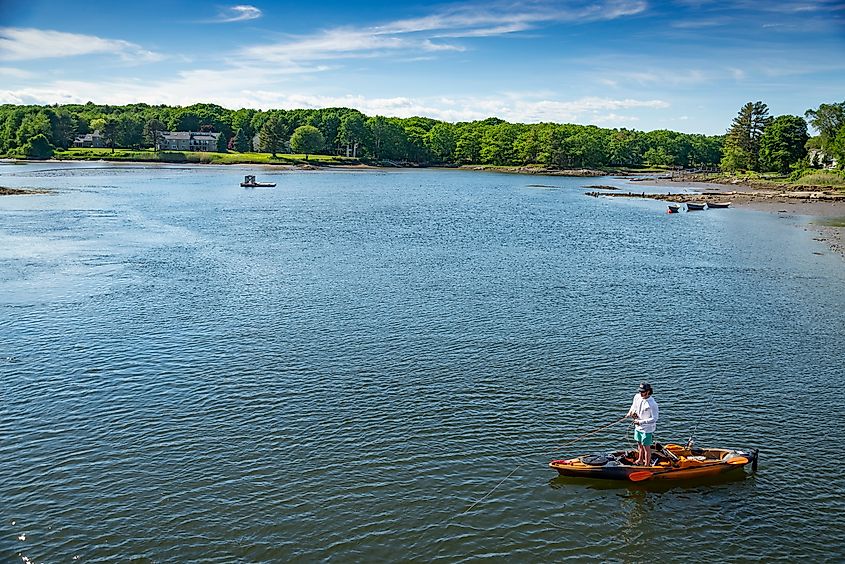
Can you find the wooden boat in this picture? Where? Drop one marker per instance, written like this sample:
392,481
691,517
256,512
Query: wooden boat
718,204
691,206
670,462
674,208
250,182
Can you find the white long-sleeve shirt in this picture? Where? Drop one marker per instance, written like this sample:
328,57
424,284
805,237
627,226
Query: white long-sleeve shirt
647,413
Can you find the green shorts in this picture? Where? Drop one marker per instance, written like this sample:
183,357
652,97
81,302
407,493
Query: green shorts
644,438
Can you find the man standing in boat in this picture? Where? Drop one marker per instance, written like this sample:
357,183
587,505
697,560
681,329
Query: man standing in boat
644,411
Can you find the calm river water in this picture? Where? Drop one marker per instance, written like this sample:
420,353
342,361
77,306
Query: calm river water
337,368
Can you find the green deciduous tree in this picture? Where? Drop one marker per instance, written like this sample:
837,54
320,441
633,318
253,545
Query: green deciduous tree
242,119
625,148
587,147
828,120
352,132
307,139
8,132
38,147
32,125
528,144
735,159
416,148
385,137
468,146
497,144
129,131
442,142
783,143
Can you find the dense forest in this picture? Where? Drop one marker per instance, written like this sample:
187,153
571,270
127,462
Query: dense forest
754,141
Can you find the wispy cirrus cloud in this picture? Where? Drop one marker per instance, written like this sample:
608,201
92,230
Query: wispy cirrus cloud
22,44
238,13
434,32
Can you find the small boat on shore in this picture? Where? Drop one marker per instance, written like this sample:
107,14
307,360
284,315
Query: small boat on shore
250,182
674,208
691,206
670,462
718,205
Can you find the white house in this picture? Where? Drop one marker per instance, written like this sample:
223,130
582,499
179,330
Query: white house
819,157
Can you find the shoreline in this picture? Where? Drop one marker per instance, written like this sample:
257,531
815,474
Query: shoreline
821,203
824,207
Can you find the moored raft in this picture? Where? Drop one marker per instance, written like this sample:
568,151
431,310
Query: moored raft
670,462
250,182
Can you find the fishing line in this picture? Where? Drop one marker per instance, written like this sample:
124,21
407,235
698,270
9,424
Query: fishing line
700,419
503,480
569,443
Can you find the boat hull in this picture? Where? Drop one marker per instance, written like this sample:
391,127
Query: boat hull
672,462
657,472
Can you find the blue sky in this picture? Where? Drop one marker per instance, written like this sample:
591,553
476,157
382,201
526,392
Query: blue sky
686,65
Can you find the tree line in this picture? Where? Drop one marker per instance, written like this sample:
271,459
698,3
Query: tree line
755,140
759,142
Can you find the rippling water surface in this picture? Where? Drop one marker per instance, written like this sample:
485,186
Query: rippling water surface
337,368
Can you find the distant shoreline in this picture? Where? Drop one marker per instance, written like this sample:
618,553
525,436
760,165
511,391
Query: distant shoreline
825,203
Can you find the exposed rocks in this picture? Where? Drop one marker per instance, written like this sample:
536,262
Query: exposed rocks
19,191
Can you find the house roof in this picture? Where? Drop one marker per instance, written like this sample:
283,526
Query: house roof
88,136
188,135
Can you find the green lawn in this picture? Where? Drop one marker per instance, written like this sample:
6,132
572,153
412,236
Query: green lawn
149,155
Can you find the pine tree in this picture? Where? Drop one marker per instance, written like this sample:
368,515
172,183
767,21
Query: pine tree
745,133
242,144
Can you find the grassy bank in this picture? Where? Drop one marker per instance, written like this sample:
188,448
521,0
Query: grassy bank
195,157
810,180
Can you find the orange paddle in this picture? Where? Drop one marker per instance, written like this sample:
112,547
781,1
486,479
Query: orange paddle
640,476
738,460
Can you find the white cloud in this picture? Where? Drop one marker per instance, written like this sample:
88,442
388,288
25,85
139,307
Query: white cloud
701,23
416,34
263,93
15,73
22,44
613,120
738,74
239,13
